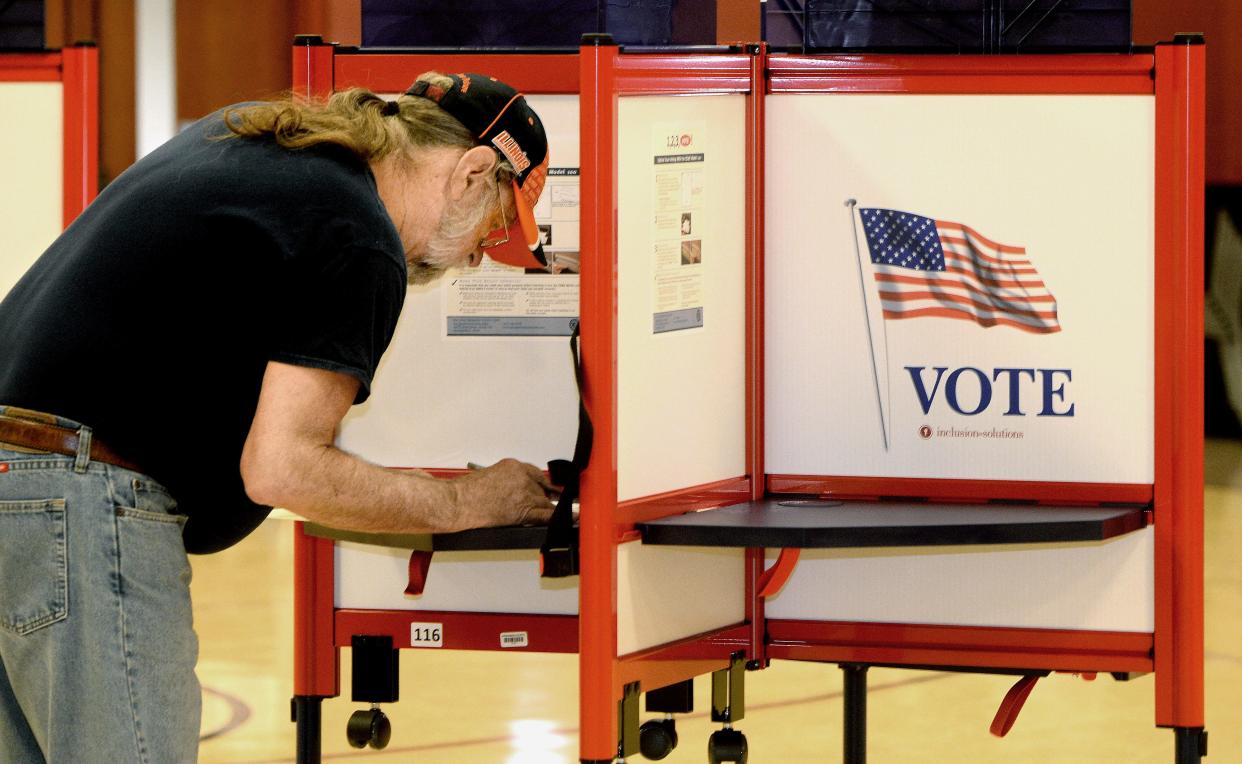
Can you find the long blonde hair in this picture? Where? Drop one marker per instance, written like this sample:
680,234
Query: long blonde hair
354,119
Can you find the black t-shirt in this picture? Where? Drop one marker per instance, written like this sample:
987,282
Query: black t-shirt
152,318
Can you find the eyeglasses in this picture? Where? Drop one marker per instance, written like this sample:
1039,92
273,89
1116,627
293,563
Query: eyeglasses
496,238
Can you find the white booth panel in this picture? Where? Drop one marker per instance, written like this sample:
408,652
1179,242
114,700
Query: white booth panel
667,593
372,577
441,400
31,174
1065,183
1098,586
681,332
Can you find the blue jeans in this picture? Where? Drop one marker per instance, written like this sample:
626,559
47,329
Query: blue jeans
97,644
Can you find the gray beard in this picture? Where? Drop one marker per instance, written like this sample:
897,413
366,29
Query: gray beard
421,272
452,244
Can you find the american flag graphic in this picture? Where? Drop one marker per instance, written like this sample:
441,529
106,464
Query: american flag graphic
926,267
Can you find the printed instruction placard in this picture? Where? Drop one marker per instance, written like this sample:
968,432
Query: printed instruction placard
680,217
496,300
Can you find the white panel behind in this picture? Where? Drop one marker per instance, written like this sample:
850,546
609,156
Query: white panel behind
1070,178
31,170
681,394
374,578
666,593
442,402
1103,586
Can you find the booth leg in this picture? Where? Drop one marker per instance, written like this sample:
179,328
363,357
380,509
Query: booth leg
729,706
307,714
855,733
1191,744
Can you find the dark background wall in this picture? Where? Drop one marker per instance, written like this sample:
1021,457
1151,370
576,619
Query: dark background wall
229,50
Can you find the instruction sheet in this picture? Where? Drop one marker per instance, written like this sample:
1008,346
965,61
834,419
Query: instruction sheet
680,217
496,300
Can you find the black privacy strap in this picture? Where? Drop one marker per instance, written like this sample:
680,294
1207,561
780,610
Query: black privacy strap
559,553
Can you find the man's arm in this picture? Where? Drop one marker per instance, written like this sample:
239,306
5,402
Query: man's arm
289,461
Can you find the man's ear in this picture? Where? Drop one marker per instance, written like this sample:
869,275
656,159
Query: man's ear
474,167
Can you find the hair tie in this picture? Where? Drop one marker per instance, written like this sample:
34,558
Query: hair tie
390,108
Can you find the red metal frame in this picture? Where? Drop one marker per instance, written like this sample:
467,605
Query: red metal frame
31,67
1179,384
80,75
316,662
755,143
601,74
965,491
756,101
995,75
394,72
680,660
1175,75
314,75
77,69
462,631
719,494
598,300
605,76
960,646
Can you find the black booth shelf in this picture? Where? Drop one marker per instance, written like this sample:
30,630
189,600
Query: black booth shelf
949,26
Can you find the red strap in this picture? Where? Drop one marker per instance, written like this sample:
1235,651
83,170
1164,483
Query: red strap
420,563
1007,714
772,579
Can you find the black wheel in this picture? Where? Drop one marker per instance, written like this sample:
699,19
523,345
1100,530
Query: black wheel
370,727
726,745
657,738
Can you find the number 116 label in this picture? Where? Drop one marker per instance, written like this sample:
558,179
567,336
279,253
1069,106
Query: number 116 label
426,635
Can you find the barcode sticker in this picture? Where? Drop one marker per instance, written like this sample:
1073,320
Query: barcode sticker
426,635
513,639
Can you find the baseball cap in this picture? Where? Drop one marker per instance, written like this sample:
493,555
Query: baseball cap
499,116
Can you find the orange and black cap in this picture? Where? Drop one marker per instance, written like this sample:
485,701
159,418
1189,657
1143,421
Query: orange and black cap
499,116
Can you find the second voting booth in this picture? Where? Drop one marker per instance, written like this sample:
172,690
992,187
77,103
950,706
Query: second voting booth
891,360
49,149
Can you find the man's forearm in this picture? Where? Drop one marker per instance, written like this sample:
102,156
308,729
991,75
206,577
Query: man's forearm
330,487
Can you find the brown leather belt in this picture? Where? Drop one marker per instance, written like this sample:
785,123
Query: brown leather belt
57,440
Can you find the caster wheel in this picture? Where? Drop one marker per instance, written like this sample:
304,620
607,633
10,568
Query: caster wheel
657,739
726,745
370,727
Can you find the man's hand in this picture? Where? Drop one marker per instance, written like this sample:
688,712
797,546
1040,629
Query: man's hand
290,461
507,493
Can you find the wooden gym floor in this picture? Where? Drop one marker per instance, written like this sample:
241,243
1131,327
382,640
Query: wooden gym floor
521,709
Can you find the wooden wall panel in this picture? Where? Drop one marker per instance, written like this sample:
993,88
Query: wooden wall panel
334,20
110,24
230,51
737,21
1221,22
117,122
237,50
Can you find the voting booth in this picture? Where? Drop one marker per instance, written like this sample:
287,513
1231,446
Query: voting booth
353,593
684,252
982,310
891,360
49,149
